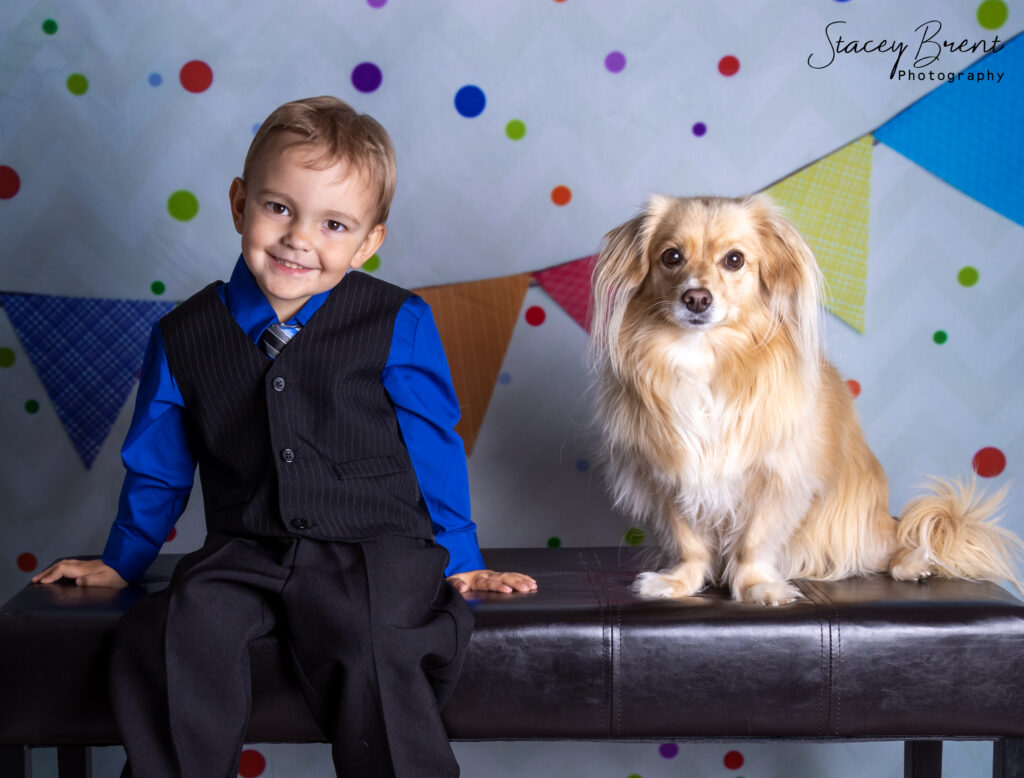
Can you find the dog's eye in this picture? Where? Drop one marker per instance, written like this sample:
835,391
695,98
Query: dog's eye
671,257
734,260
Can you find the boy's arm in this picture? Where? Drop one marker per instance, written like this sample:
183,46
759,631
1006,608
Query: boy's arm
417,378
158,480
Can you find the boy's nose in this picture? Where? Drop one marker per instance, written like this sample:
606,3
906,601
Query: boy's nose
297,237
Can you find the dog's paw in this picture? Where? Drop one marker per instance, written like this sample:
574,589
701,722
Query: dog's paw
770,593
911,565
660,585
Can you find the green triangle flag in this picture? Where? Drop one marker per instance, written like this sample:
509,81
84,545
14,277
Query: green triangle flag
827,202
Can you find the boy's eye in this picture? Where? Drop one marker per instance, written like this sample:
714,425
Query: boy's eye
334,226
278,208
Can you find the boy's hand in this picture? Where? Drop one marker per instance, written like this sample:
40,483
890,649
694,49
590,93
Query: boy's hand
88,572
491,581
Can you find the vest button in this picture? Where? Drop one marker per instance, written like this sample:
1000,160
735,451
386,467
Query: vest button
279,384
287,454
299,524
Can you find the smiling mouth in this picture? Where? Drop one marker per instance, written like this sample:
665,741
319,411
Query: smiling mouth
288,264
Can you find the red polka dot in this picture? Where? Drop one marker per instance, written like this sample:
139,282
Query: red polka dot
561,195
733,760
9,182
196,76
27,562
173,534
728,66
252,763
854,387
989,462
535,315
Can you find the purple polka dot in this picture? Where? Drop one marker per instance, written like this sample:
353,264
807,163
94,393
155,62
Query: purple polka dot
376,3
615,62
366,77
668,750
699,129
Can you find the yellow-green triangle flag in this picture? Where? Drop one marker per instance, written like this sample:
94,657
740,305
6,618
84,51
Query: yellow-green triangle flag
828,203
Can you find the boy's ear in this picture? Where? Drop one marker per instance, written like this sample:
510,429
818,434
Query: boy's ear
237,196
371,243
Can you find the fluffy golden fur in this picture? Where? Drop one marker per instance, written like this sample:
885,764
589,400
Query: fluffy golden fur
731,437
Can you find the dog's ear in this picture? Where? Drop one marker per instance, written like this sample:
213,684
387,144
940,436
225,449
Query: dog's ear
621,268
789,274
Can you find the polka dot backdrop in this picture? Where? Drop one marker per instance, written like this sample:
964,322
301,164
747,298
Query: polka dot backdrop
523,135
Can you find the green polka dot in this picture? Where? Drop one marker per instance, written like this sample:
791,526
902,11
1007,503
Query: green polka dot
515,130
992,14
634,775
182,205
968,276
372,263
554,542
49,26
32,406
158,287
78,84
6,357
940,337
634,536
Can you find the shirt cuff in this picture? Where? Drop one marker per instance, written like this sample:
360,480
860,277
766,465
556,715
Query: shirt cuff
463,552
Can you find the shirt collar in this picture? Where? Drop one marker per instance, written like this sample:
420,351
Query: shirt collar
250,308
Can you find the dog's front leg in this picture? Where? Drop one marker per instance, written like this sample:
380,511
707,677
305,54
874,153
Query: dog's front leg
688,577
773,513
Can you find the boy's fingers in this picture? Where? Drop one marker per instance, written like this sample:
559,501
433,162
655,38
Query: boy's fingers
66,567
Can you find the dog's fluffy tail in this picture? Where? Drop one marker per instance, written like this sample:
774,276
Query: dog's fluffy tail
956,525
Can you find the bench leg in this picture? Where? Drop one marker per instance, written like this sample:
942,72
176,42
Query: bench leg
74,762
16,761
922,759
1008,758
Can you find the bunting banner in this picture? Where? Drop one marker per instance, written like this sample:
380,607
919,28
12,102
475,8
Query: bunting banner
569,286
475,320
968,131
828,203
87,353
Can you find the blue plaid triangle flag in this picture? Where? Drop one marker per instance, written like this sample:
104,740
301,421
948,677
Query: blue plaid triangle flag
967,132
87,353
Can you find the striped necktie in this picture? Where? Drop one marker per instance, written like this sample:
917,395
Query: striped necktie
276,337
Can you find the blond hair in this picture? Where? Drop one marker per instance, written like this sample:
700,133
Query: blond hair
342,135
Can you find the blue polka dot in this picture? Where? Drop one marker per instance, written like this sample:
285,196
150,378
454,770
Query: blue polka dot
582,465
504,379
256,127
470,101
155,79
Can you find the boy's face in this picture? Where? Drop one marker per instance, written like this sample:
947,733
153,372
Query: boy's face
302,228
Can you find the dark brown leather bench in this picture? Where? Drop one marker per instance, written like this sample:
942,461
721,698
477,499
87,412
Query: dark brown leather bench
584,659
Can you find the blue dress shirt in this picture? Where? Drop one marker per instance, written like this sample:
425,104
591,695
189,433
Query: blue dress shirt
161,470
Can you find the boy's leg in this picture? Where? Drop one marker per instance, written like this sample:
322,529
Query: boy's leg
181,682
379,653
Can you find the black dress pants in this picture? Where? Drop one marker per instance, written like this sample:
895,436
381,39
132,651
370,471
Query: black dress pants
376,634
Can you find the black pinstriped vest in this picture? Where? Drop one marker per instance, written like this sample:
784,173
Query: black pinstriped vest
309,444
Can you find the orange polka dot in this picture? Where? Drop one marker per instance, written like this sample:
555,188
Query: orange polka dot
561,195
854,387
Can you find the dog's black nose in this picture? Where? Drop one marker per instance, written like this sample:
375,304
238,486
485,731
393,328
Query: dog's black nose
697,300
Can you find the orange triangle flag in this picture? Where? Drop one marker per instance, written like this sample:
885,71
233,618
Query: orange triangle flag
476,320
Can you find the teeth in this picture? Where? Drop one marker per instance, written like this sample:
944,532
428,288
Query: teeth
286,263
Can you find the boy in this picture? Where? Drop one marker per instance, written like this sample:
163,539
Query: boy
319,408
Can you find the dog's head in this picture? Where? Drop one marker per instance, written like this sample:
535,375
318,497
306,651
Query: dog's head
702,264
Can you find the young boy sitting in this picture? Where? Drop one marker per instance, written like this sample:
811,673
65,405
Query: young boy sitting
318,406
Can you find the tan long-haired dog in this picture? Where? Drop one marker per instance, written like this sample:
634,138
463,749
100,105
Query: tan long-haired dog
731,437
